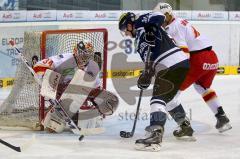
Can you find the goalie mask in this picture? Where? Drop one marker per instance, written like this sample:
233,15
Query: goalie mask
83,52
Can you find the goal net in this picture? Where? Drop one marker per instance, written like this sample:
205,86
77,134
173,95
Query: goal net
24,107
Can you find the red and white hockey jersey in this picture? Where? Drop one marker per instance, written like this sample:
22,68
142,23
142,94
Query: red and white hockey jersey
186,36
65,64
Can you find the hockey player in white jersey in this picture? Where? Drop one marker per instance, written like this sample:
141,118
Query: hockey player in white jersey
164,61
203,62
79,84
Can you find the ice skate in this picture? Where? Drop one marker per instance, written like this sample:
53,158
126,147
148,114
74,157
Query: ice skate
153,141
184,132
223,123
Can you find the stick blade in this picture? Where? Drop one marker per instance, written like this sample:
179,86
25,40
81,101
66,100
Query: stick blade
125,134
16,148
28,143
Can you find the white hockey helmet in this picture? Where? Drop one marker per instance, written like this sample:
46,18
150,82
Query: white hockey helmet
163,8
83,52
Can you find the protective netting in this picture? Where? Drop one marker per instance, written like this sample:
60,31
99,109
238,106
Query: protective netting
23,108
55,46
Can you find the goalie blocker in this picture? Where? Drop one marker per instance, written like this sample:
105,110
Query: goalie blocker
79,90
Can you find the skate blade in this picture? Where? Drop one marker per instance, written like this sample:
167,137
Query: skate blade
225,127
152,147
187,138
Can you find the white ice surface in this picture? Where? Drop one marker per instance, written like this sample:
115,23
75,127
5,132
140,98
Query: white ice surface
209,145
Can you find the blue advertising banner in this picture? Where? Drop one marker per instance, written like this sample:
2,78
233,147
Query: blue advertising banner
8,4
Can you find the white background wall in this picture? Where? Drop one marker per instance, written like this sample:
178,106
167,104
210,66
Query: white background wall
199,5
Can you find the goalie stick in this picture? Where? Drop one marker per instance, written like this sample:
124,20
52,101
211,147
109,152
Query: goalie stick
75,129
125,134
18,148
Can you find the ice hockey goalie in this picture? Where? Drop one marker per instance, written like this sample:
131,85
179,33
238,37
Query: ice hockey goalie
73,79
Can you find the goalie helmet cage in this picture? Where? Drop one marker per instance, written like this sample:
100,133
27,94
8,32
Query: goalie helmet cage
24,107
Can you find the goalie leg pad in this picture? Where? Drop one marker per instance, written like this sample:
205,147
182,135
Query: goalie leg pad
77,92
50,84
96,122
53,122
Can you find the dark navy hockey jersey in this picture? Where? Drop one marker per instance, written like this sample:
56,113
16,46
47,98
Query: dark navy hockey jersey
165,52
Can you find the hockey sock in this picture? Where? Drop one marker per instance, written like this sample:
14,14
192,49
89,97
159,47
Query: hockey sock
178,114
212,101
158,118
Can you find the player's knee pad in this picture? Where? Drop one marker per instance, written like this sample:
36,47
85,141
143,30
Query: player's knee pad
53,123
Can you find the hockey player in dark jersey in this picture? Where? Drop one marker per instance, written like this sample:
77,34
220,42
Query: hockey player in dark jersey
165,62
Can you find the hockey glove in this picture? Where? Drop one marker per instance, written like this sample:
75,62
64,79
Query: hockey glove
150,31
144,80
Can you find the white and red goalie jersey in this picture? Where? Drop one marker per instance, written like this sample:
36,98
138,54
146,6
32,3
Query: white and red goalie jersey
65,64
186,36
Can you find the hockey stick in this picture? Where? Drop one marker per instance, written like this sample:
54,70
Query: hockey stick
26,63
75,129
125,134
18,148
